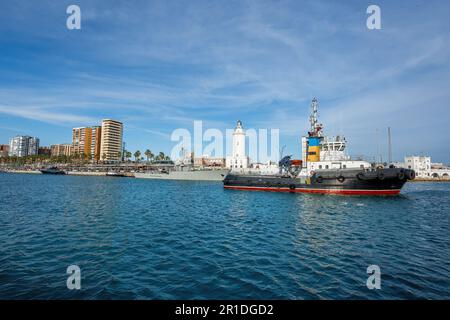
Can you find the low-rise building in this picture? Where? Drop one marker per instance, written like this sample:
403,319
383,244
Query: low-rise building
440,170
4,150
61,150
207,161
44,151
424,168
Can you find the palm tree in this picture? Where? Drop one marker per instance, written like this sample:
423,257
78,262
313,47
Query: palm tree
161,155
137,154
128,155
148,154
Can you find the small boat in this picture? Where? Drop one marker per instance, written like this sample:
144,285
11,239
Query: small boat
115,174
52,170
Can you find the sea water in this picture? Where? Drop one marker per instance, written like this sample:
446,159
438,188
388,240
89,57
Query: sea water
155,239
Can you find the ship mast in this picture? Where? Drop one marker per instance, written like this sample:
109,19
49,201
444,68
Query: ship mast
316,127
389,145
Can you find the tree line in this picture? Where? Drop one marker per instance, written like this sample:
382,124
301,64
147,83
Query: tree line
148,154
81,158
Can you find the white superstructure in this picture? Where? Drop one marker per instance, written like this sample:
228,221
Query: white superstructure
333,149
320,152
332,156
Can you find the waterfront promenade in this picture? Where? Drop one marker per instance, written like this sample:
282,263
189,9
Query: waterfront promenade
127,168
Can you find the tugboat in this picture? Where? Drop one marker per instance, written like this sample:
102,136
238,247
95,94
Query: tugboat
324,169
52,170
115,174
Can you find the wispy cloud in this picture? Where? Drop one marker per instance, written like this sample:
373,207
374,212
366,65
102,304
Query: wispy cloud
41,115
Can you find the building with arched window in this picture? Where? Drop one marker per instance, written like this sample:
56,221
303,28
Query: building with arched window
424,168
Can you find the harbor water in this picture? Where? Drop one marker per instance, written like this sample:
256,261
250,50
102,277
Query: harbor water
154,239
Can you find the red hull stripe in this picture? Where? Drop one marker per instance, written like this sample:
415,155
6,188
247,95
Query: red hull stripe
321,191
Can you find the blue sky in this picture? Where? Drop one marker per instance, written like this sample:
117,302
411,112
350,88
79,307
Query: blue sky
160,65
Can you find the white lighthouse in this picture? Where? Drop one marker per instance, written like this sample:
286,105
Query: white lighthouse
238,160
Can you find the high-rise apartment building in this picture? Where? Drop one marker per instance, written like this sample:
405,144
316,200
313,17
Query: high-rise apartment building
111,141
96,142
81,140
22,146
87,140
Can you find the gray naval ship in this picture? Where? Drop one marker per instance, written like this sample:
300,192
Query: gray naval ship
184,169
183,173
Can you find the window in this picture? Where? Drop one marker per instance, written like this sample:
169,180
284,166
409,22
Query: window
326,167
320,166
344,166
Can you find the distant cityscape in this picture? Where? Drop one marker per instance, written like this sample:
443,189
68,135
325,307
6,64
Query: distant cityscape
103,144
97,143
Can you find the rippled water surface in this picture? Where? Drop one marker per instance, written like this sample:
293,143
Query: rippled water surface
143,239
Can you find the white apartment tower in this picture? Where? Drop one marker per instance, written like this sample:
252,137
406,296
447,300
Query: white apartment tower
111,146
238,159
22,146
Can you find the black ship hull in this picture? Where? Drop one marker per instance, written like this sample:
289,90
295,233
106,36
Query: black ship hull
342,182
52,171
